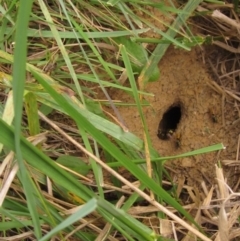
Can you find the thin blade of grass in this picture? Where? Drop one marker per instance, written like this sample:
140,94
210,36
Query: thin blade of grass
38,33
19,75
216,147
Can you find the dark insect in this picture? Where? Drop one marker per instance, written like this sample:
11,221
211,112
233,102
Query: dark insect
165,134
212,115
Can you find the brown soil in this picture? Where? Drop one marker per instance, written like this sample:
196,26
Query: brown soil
184,80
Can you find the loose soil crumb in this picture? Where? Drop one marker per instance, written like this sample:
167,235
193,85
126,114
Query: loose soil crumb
184,79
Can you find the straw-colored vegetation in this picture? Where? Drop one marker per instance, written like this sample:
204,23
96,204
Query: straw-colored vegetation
60,150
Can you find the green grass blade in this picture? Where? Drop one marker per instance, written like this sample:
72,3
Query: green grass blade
38,33
19,75
135,92
204,150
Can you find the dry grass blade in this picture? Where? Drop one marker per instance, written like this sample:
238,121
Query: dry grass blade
223,225
228,217
10,168
19,237
206,204
224,20
8,180
223,188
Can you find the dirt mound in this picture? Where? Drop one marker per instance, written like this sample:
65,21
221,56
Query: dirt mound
199,116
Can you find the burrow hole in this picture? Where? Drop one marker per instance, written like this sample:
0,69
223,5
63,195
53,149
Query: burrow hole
169,122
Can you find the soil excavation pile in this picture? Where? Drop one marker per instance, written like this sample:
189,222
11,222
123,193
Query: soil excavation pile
186,114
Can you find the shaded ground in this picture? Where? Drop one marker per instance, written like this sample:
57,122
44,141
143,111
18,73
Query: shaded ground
185,80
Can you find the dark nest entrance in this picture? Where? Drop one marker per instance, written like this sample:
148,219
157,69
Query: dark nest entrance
170,121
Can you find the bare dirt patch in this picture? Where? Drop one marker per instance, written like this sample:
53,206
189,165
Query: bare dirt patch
206,117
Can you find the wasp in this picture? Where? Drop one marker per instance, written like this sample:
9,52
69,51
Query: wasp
212,115
165,134
178,138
